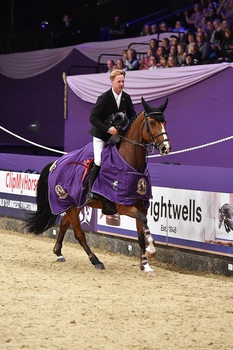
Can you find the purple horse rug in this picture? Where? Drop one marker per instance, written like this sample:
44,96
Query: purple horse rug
117,180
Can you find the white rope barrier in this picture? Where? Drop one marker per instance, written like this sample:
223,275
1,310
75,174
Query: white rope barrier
32,143
194,148
151,156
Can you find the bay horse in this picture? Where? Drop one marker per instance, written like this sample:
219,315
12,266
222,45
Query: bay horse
144,133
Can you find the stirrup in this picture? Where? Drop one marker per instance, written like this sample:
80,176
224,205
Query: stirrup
92,197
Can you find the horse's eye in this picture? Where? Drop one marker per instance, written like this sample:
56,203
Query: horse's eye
152,122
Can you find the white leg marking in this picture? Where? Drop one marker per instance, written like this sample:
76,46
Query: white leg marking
147,268
151,248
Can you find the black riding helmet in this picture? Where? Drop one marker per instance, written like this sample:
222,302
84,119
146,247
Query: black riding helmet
119,120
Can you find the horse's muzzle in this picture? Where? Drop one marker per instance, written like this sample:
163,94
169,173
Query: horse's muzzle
166,148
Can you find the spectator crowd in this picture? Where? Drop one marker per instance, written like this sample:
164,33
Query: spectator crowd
206,36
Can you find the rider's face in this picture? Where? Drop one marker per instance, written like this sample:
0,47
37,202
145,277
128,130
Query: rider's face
118,83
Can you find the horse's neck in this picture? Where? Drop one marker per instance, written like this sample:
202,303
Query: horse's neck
133,153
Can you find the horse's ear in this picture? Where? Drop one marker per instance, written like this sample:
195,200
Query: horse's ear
163,106
145,105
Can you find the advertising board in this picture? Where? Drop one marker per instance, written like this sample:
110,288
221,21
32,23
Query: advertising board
190,219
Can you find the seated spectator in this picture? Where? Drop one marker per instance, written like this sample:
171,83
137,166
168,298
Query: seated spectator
194,50
146,30
211,15
179,28
120,64
189,60
226,46
193,19
153,62
229,14
163,62
67,34
174,40
204,10
153,45
188,38
160,52
217,24
110,66
181,53
145,63
67,22
165,43
225,24
204,47
117,29
199,30
222,9
203,26
132,63
173,50
209,30
172,61
163,27
124,56
216,35
154,29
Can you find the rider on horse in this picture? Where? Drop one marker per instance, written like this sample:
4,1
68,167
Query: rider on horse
109,103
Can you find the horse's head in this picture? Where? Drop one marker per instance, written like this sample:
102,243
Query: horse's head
154,131
225,215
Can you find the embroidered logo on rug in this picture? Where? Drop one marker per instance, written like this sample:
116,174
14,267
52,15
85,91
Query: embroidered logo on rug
62,194
53,167
114,185
141,186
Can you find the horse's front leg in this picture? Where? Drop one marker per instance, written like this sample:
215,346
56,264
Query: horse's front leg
72,214
146,244
145,240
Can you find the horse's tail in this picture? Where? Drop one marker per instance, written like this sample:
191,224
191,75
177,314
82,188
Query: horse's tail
43,219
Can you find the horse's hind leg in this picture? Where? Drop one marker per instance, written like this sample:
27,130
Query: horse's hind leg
73,217
65,224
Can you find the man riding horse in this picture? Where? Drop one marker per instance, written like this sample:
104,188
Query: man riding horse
109,103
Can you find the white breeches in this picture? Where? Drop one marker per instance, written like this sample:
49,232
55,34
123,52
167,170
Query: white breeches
98,146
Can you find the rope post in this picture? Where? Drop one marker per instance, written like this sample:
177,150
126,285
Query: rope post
65,94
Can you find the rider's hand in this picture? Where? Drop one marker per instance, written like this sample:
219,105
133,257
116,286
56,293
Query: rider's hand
112,131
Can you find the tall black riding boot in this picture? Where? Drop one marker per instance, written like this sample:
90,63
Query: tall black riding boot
93,175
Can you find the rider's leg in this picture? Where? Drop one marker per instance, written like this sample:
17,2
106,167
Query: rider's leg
98,146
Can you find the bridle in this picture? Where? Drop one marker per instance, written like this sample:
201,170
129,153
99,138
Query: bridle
151,146
159,117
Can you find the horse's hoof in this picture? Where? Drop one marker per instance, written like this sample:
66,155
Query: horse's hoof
99,266
150,273
61,258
